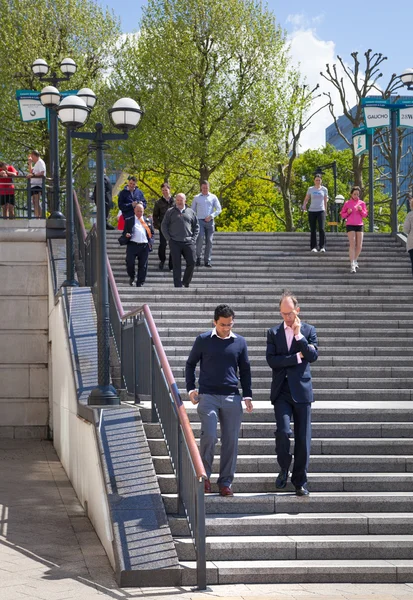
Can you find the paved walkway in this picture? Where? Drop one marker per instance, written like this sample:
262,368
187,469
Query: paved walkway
49,551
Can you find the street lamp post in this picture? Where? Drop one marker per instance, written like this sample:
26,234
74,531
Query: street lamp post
125,115
50,98
73,111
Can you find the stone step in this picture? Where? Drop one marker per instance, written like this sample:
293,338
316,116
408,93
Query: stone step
259,372
258,362
315,524
322,411
340,446
318,464
335,383
302,571
317,482
339,430
328,352
256,317
327,502
299,547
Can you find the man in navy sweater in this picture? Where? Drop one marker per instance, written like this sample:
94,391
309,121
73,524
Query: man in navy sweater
222,355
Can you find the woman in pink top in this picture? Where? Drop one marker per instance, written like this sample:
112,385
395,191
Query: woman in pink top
354,211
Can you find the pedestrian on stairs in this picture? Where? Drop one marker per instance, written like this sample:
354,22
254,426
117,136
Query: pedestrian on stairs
291,347
165,202
207,207
222,356
180,228
139,234
318,196
408,229
354,211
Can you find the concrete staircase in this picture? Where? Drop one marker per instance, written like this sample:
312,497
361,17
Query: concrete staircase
24,381
357,524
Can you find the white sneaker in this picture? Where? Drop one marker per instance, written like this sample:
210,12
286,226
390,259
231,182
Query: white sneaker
356,264
322,249
353,268
314,250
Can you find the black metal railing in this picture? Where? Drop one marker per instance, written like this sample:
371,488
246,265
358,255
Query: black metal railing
146,374
20,189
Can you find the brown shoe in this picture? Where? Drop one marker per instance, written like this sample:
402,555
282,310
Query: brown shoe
225,490
207,486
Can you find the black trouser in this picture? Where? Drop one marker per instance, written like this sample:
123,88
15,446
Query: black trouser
411,258
284,409
319,217
141,251
162,250
188,251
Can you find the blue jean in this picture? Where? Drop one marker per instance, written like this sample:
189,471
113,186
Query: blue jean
228,411
206,229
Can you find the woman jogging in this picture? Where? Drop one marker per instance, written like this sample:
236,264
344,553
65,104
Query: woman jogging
354,211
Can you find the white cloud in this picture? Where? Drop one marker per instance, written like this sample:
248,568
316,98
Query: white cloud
312,54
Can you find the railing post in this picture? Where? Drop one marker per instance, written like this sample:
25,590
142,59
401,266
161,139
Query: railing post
200,536
154,414
135,354
29,200
181,510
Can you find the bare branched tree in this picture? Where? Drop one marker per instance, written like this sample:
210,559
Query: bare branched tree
362,81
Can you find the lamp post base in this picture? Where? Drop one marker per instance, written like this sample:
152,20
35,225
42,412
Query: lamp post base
70,283
56,226
103,395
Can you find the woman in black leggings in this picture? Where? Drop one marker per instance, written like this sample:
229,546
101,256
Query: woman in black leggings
318,195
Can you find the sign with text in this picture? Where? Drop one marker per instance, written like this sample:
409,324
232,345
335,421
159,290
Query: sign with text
376,116
30,107
406,117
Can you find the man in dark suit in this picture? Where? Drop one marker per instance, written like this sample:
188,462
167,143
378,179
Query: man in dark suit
291,347
139,233
108,198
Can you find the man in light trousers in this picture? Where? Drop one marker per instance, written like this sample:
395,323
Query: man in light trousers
206,206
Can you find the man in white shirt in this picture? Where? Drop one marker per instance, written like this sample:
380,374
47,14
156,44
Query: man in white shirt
37,170
206,206
139,233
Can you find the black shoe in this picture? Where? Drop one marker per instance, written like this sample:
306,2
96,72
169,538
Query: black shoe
198,262
139,284
208,264
131,280
281,480
301,490
186,285
109,227
161,264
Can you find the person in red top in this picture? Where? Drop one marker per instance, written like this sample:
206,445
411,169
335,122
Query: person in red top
7,190
354,211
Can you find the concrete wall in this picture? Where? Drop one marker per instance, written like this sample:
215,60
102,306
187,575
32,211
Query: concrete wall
74,438
24,408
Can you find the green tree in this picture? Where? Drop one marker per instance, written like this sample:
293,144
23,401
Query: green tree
52,30
208,74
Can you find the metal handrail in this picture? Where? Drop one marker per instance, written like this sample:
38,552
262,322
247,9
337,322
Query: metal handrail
181,443
183,415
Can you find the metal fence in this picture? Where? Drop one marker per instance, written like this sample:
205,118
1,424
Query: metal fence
146,374
22,197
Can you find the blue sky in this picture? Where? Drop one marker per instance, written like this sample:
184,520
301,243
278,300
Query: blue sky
318,31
